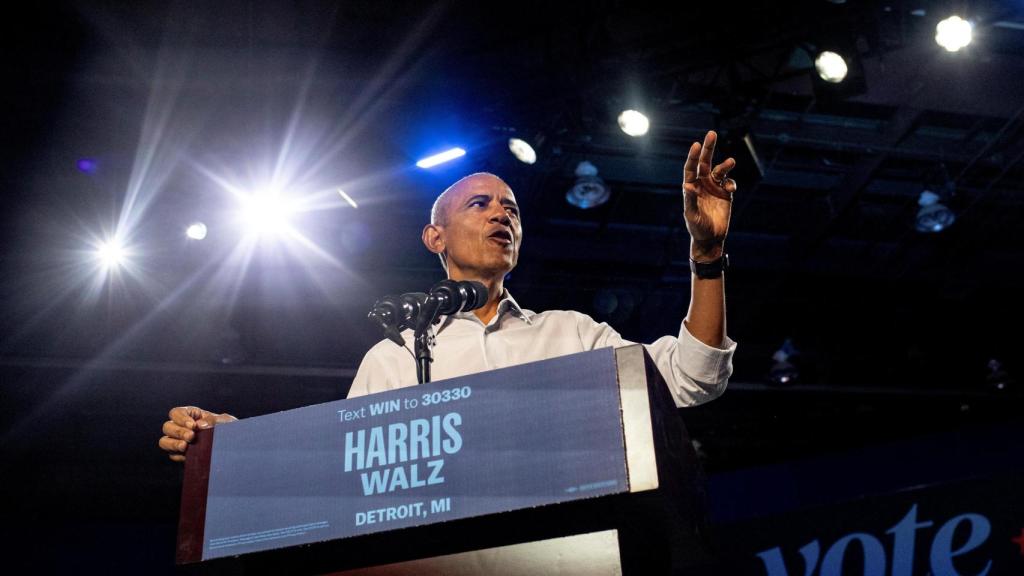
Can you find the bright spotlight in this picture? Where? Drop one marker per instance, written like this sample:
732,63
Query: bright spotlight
446,156
522,150
831,67
266,213
196,231
634,123
110,253
953,33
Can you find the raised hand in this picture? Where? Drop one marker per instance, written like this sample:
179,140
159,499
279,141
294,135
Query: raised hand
707,199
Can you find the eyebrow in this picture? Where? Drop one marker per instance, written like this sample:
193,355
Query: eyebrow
487,197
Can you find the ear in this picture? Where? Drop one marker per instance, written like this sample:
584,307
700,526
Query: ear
433,238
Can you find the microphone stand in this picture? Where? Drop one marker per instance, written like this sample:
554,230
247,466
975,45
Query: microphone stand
428,312
393,313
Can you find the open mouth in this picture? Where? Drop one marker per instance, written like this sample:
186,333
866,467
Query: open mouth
501,236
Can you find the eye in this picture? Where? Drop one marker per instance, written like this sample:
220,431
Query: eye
479,202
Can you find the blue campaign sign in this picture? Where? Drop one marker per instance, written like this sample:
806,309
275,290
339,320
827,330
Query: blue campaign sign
497,441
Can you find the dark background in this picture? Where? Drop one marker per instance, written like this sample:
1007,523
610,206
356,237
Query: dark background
179,103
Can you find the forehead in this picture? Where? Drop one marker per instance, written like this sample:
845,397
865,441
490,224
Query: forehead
487,185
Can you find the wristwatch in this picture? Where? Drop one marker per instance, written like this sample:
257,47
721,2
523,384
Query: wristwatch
709,270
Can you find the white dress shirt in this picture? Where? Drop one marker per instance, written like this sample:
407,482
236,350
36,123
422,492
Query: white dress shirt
695,372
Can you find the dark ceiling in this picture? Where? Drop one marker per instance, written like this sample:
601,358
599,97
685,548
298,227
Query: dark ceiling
176,102
168,97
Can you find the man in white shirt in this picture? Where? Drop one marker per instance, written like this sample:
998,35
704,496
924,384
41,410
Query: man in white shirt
475,228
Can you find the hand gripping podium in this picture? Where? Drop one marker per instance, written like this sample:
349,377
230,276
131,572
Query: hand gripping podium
573,465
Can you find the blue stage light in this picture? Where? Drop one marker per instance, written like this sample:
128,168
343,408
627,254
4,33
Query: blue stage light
87,165
446,156
934,216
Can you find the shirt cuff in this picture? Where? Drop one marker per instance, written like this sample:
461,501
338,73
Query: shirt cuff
706,363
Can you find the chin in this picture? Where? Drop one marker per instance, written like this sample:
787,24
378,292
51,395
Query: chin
501,268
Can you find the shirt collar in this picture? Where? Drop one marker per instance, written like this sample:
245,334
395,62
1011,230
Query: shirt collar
509,304
506,304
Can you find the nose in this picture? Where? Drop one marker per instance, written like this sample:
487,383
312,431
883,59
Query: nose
502,217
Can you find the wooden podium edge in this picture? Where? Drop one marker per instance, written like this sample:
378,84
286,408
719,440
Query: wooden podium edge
192,518
637,428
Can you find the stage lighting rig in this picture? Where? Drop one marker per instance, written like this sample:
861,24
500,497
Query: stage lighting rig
266,212
634,123
831,67
953,33
437,159
934,216
196,231
589,190
110,253
522,150
785,369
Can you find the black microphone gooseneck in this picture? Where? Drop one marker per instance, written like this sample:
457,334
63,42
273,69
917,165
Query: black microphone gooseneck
446,297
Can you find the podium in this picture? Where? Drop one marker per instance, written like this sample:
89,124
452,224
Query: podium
573,465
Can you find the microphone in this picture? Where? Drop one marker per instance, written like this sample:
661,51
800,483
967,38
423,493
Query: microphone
461,296
395,313
416,310
446,297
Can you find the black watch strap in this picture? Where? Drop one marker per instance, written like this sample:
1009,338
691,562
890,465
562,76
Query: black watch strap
709,270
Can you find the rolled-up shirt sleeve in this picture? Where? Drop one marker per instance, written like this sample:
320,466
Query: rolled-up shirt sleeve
694,372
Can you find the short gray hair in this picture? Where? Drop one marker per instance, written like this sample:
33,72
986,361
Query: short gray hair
439,211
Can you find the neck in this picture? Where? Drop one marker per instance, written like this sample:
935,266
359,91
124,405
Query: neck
495,288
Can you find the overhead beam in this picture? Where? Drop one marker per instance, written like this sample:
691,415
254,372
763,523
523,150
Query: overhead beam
845,195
